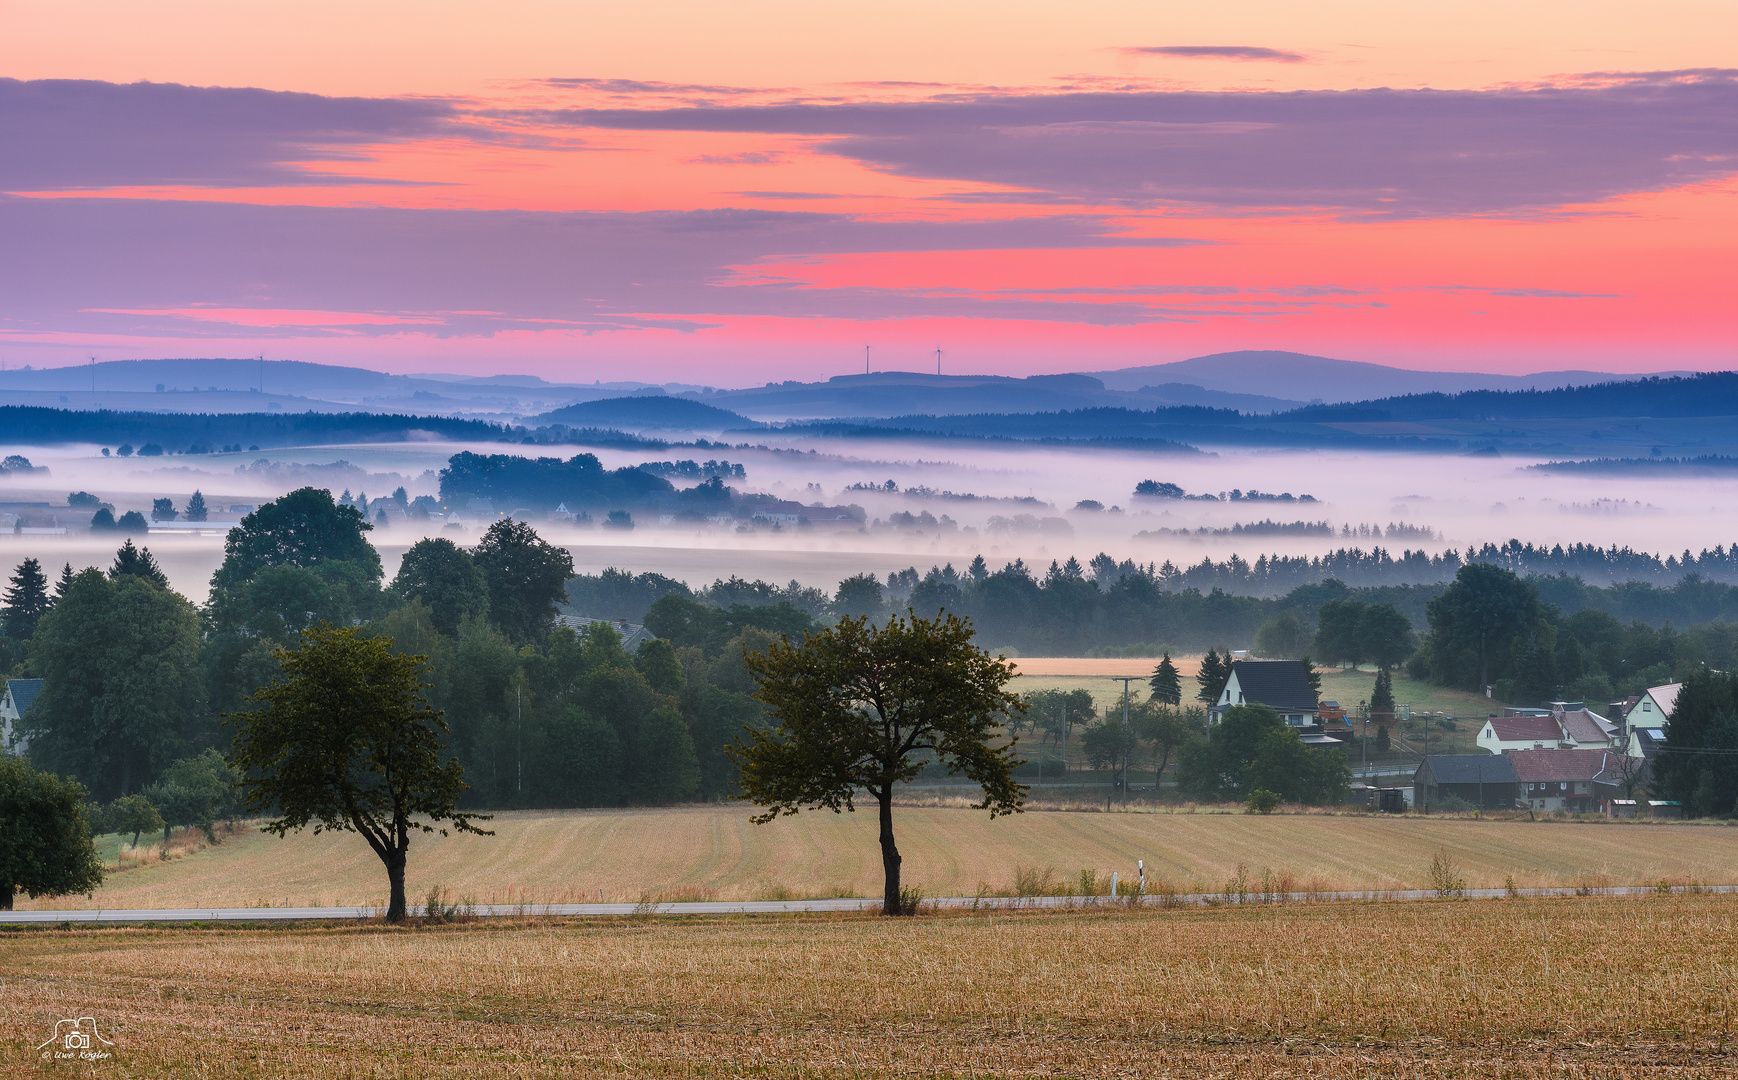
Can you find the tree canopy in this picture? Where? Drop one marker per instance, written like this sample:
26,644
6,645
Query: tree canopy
303,528
445,577
526,577
347,741
1167,685
1250,748
45,839
1479,617
121,693
856,708
1699,763
27,600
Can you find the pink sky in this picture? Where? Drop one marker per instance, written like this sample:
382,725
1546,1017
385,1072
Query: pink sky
732,194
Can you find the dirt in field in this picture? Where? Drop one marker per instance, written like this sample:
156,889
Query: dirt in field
1588,987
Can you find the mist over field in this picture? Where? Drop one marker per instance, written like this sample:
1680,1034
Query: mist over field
949,502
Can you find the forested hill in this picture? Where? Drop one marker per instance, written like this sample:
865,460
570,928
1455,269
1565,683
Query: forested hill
1709,394
206,432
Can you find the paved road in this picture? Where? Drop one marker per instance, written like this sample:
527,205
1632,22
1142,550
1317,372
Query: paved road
752,907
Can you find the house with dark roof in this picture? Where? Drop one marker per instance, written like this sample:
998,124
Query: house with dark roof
13,705
1282,685
1580,781
633,634
1487,781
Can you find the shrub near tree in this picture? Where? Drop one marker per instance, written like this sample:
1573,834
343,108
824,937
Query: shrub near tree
45,837
857,709
346,740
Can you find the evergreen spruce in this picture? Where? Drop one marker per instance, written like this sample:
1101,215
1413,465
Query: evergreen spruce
196,509
1214,671
65,581
26,601
1382,697
1167,686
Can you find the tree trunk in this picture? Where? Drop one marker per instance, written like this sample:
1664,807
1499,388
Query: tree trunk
889,857
396,909
6,896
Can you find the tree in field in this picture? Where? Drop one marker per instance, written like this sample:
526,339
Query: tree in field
1212,677
1338,640
45,839
1055,713
445,577
1167,730
133,814
164,510
196,508
137,562
526,575
1284,637
1382,697
193,792
121,694
27,600
1385,635
860,709
131,522
1166,685
1477,619
347,741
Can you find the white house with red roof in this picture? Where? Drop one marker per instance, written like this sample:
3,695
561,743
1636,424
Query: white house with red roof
1560,729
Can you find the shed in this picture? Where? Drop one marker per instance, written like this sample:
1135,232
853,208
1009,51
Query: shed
1487,781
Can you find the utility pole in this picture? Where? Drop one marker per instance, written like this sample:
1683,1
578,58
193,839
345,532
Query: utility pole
1122,767
519,698
938,360
865,359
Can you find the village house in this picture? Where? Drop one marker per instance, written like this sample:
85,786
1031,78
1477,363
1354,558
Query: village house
1580,781
633,634
1282,685
1487,781
1654,710
1567,726
13,705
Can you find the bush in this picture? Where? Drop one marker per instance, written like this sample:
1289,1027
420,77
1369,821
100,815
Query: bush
1453,804
1446,878
1262,801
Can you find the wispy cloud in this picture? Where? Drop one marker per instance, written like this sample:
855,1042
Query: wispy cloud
1215,52
1360,153
65,134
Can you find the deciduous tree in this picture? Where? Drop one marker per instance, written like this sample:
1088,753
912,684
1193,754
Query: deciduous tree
445,577
45,838
861,709
347,741
526,576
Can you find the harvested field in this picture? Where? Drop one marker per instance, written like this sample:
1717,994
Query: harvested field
713,852
1516,988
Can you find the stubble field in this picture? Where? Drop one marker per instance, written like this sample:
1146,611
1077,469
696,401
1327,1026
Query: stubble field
1594,987
714,852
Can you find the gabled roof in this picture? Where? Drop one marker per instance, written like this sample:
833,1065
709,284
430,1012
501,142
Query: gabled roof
1283,684
1667,696
1471,768
1586,727
1536,765
23,692
1528,729
633,634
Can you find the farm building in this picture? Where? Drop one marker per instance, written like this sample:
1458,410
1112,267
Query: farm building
1576,780
1487,781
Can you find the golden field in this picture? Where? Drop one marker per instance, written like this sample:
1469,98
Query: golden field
707,852
1588,987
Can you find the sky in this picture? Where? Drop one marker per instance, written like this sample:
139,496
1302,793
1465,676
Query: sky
734,194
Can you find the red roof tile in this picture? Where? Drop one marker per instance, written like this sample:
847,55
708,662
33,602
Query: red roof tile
1526,729
1535,765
